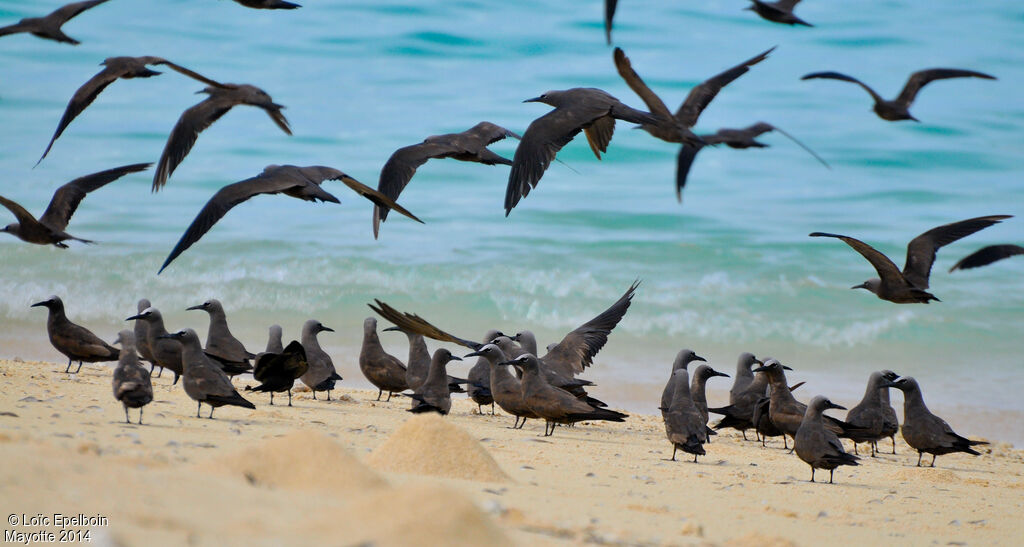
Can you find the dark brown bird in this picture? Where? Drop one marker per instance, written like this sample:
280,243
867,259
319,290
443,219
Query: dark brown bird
578,109
297,182
49,26
924,431
505,387
382,369
778,12
816,445
222,97
554,405
609,14
131,383
685,428
204,381
908,286
899,108
115,67
986,256
671,127
470,145
278,371
433,394
681,362
698,391
873,414
49,229
166,352
785,412
221,346
747,390
268,4
75,341
733,138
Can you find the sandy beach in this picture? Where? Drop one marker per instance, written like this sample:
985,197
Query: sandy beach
357,471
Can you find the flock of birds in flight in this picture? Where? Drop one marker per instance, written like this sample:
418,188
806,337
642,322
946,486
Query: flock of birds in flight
544,387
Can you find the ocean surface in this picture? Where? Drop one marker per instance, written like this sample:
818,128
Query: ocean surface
731,269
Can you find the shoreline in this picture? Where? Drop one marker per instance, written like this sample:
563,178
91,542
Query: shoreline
69,451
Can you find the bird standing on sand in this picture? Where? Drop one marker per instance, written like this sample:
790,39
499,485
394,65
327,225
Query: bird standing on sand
681,362
222,97
873,414
899,108
578,109
554,405
698,392
785,412
924,431
684,426
114,68
470,145
747,390
417,368
297,182
49,229
75,341
986,256
321,375
478,380
780,11
816,445
204,381
221,345
141,332
166,351
433,394
277,371
908,286
49,26
382,369
131,380
505,387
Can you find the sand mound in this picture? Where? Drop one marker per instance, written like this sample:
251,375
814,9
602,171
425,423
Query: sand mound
427,444
299,460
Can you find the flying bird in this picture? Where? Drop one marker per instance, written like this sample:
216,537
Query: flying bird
733,138
115,67
298,182
222,97
49,229
609,14
778,12
268,4
899,108
578,109
470,145
986,256
49,26
908,286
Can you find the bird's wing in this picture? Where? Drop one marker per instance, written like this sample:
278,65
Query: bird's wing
413,323
82,98
544,137
599,134
920,78
845,78
193,121
633,80
886,269
182,70
579,347
24,217
483,134
69,11
684,160
66,199
609,14
275,114
987,255
760,128
13,29
787,5
921,250
702,95
399,170
378,198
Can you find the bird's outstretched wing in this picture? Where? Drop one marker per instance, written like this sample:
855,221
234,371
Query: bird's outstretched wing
921,78
70,11
845,78
636,83
886,269
579,347
702,95
183,137
609,14
24,217
415,324
544,137
922,249
81,100
66,199
986,256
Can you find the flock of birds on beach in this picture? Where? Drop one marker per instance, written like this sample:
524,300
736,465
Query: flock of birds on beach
544,387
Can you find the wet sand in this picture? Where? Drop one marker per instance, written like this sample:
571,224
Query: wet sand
355,470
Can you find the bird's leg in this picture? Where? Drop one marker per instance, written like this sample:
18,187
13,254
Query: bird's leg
176,376
873,443
79,367
785,444
69,366
390,393
855,449
919,453
159,374
199,406
289,397
127,420
328,395
152,367
479,409
744,434
674,448
379,393
812,473
893,443
211,412
694,458
140,415
516,424
271,398
933,460
830,471
492,409
314,394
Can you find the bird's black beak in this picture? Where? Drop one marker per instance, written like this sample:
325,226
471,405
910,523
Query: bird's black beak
169,336
699,358
533,100
833,405
761,368
716,373
784,367
328,329
758,361
474,354
392,329
861,286
134,317
888,384
891,376
506,363
455,358
37,304
199,307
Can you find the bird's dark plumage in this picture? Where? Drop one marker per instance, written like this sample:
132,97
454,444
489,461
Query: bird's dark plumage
268,4
780,11
986,256
609,14
277,372
49,26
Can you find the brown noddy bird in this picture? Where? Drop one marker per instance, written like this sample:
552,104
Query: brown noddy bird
275,343
222,97
556,406
221,345
75,341
204,381
780,11
131,380
908,286
698,392
681,362
478,380
268,4
321,375
685,428
114,68
505,387
166,351
924,431
986,256
49,229
277,371
874,414
382,369
740,139
747,390
785,412
470,145
49,26
609,14
816,445
141,332
297,182
433,395
417,368
899,108
590,110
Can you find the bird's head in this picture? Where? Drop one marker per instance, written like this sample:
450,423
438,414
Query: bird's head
147,314
903,383
553,98
11,228
125,337
54,302
871,285
488,351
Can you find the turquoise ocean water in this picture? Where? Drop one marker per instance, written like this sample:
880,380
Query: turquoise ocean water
729,270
